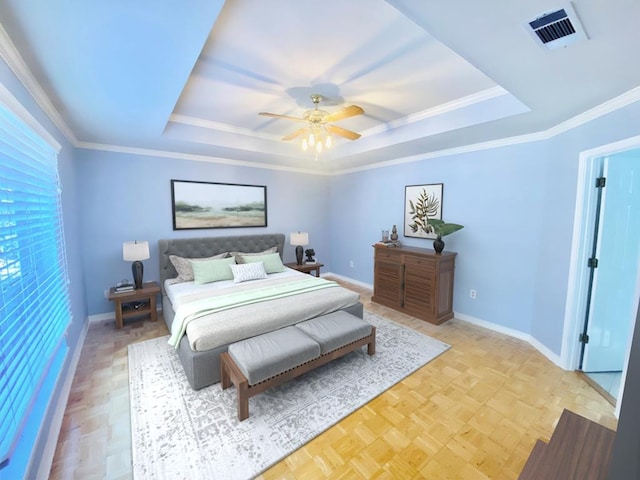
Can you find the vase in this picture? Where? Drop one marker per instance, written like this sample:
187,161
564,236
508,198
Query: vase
438,244
394,234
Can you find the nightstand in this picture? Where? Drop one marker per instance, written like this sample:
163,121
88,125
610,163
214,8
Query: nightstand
306,267
135,303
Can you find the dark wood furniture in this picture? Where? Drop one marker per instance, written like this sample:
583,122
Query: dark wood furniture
135,303
579,449
416,281
306,267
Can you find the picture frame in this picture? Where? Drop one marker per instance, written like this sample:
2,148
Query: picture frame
200,205
418,200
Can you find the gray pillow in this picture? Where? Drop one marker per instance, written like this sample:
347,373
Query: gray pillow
268,250
185,269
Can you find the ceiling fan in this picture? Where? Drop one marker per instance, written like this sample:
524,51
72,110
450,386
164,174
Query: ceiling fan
320,126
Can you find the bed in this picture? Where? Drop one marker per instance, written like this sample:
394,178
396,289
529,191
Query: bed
210,334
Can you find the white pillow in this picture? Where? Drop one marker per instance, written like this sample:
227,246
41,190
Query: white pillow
248,271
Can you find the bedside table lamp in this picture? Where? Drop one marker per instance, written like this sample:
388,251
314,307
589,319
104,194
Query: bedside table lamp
299,240
134,252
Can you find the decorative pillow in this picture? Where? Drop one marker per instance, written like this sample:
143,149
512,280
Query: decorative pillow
248,271
272,261
184,268
265,252
207,271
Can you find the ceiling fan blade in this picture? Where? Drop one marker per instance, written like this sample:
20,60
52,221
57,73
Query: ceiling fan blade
343,132
346,112
286,117
295,134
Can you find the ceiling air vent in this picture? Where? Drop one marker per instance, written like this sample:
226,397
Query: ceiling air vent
557,28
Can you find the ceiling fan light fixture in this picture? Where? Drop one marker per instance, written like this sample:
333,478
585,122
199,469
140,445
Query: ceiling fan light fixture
319,125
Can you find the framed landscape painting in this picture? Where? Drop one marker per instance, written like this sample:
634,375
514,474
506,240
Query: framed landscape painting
217,205
421,202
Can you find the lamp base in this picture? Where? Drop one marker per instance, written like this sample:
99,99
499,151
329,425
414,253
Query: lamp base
137,269
299,255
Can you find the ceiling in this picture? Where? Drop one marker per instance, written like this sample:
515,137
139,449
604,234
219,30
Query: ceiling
187,79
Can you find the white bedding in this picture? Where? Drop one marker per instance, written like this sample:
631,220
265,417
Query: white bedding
222,328
176,291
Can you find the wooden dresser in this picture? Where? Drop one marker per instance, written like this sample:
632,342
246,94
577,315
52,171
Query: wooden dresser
416,281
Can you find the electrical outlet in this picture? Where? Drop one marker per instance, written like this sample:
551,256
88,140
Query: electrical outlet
106,293
473,293
351,264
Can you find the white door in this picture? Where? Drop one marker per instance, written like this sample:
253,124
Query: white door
613,302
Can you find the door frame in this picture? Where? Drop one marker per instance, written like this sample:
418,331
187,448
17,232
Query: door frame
583,224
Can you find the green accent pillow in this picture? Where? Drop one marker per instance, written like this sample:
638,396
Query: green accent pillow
207,271
272,262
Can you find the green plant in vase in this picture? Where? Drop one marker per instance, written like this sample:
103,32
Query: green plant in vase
441,229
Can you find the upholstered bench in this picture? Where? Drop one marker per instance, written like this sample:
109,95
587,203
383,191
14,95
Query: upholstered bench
259,363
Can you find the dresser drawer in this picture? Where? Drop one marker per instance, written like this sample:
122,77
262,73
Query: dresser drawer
387,254
415,281
419,261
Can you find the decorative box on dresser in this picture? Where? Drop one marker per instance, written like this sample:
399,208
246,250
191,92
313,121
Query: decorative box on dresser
416,281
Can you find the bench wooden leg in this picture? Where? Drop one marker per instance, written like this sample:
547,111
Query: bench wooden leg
371,346
225,380
230,373
243,399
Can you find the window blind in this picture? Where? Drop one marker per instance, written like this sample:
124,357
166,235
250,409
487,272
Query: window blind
34,299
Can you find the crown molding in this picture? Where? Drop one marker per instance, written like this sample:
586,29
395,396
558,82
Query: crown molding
16,63
196,158
220,127
12,103
621,101
457,104
610,106
598,111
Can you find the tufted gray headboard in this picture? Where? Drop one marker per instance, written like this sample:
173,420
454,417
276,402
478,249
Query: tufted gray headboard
208,246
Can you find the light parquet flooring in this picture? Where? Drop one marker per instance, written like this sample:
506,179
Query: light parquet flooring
475,412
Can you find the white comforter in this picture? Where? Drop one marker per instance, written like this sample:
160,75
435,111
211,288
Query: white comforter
221,328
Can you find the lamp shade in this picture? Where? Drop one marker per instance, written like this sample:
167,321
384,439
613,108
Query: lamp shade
299,238
135,251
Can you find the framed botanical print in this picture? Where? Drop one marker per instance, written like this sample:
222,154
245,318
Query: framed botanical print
421,202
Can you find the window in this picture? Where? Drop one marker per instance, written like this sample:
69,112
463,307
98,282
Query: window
34,299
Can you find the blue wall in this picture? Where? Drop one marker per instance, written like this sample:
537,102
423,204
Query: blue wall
517,206
128,197
516,202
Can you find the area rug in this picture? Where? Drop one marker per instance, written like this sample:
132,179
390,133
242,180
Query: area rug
179,433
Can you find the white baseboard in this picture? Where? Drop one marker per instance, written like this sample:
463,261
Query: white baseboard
348,279
98,317
513,333
535,343
46,461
